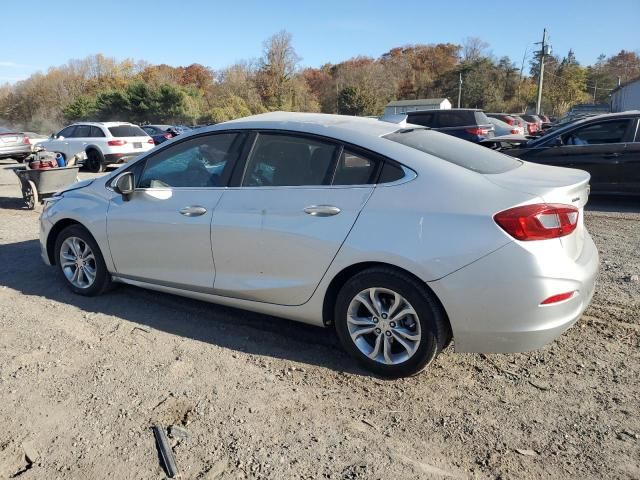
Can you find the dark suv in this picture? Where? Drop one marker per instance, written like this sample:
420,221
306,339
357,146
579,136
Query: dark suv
466,123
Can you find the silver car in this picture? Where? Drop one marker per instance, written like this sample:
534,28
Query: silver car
14,145
401,237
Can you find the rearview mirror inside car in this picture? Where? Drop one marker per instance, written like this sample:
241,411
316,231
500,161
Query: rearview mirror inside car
124,185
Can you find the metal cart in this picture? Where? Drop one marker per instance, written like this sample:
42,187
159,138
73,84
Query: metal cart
38,184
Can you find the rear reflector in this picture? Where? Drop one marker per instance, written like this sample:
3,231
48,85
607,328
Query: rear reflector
116,143
557,298
539,221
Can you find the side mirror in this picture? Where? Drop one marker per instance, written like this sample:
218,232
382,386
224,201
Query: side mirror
124,185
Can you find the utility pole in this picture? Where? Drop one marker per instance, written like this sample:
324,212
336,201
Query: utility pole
541,74
595,89
460,89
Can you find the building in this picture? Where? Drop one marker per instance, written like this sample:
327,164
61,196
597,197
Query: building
626,96
403,106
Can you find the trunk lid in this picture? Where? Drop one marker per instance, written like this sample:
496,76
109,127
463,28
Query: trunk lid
553,185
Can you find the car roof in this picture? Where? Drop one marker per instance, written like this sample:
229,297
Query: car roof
338,126
436,110
103,124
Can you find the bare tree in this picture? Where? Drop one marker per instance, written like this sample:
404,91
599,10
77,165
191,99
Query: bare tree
473,49
277,67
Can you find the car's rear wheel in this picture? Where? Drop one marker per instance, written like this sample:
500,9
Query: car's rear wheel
390,322
95,161
80,261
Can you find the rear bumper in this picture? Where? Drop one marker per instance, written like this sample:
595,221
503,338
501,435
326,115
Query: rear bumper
15,151
494,303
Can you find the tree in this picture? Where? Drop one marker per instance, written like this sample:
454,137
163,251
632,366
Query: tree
277,67
356,101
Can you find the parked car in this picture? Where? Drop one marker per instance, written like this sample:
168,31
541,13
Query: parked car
503,128
162,133
534,124
105,143
607,146
466,123
371,226
14,144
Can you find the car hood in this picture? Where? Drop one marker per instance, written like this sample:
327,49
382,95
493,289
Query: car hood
76,186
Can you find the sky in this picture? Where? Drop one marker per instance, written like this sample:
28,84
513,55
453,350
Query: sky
216,34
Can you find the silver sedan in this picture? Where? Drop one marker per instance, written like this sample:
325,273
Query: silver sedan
401,237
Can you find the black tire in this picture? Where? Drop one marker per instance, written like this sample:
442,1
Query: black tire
435,332
95,161
102,280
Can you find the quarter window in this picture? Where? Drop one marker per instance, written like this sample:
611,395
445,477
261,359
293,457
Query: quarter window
96,132
355,169
597,133
286,160
198,163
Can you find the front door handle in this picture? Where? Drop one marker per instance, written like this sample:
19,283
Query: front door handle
612,155
193,211
322,210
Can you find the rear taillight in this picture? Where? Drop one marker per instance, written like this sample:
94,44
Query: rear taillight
477,131
151,139
25,140
540,221
116,143
514,131
509,120
558,298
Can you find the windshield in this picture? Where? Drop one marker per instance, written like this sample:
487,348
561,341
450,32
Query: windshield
459,152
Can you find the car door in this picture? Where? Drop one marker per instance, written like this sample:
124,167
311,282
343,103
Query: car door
630,162
78,141
162,232
60,141
596,147
275,235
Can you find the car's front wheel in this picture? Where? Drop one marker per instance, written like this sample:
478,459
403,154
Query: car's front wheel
390,322
80,261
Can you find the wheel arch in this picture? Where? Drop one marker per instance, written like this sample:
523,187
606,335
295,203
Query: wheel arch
55,231
345,274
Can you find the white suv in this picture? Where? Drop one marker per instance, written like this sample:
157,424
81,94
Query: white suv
104,142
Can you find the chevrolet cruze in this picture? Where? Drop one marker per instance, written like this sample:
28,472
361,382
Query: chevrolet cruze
401,237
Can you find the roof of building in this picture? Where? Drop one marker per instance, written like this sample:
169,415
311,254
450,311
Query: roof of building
628,82
420,101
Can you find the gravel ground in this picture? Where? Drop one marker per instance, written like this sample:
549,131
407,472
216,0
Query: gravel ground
83,380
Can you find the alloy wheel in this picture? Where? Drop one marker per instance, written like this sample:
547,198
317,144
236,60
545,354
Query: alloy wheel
78,262
384,326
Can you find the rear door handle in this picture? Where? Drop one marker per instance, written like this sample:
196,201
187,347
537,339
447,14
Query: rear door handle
321,210
613,155
193,211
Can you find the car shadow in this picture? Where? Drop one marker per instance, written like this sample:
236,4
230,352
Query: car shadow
22,269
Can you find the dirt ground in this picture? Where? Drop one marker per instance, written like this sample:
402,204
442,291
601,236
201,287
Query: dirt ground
82,381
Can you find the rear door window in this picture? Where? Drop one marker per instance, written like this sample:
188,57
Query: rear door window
459,152
424,119
127,131
96,132
286,160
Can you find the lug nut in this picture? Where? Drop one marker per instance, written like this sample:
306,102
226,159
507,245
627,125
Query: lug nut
384,315
378,331
392,324
388,333
375,319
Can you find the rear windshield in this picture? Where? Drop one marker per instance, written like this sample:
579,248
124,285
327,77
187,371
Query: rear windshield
460,152
127,131
481,118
